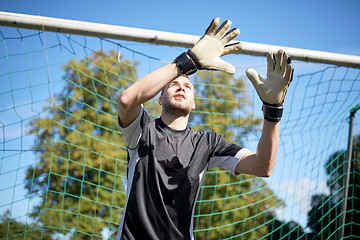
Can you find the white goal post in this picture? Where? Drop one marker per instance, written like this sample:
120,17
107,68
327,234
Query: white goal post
163,38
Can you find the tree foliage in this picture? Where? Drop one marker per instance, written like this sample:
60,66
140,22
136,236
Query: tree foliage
10,227
81,158
289,230
325,215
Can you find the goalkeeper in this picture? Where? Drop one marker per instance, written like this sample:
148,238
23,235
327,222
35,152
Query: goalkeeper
167,160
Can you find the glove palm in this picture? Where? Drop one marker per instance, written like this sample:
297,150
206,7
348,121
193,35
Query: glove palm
207,51
214,44
272,90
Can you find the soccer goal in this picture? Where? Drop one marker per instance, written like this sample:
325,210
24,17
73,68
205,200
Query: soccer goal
63,160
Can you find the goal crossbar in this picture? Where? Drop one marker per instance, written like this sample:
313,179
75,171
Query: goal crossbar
41,23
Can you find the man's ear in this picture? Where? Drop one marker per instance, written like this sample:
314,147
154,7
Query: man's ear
160,100
193,106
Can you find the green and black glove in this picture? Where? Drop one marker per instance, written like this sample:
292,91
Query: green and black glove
207,51
272,90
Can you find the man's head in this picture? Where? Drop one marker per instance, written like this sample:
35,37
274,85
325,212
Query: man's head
177,97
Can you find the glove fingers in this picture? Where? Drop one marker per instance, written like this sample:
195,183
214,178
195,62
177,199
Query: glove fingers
211,30
284,63
279,60
232,48
270,62
220,32
289,73
254,77
221,65
230,35
227,67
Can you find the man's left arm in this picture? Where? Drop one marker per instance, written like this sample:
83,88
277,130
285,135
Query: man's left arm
271,91
263,161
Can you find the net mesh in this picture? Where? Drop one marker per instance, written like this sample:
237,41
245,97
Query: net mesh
63,159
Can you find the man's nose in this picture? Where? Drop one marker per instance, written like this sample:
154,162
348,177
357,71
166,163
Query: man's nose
180,88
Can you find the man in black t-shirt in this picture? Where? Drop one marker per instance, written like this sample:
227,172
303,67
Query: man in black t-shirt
167,160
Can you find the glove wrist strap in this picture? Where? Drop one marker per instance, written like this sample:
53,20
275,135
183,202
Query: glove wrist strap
186,64
272,112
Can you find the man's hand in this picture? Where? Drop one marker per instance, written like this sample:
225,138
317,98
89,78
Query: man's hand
272,90
207,51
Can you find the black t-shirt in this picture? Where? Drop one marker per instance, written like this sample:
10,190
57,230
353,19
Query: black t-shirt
165,171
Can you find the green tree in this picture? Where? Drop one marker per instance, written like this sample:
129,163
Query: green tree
81,167
229,206
14,229
289,230
325,215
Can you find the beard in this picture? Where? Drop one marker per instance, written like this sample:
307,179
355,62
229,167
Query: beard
178,109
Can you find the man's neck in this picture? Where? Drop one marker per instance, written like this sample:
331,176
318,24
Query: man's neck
175,122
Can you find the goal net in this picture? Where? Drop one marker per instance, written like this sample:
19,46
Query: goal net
63,160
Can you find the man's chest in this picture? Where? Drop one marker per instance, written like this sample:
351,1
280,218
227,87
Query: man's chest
178,156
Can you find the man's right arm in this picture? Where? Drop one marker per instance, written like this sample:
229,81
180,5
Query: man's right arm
143,90
204,55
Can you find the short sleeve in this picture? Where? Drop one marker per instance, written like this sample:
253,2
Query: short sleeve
226,155
132,133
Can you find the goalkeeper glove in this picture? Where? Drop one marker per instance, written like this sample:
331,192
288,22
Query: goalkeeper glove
207,51
272,90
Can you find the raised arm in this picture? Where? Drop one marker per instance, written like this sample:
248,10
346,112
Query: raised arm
205,54
143,90
272,92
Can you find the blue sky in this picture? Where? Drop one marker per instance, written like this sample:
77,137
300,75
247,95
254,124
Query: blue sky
331,26
318,25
